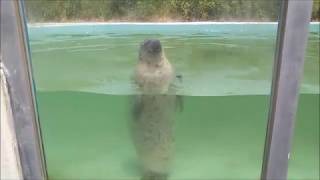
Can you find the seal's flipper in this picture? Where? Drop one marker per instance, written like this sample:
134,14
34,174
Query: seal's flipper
179,103
179,77
179,98
137,108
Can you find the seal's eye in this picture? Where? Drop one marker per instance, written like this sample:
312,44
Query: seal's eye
153,45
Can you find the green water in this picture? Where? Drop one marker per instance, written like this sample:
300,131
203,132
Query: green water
83,87
87,137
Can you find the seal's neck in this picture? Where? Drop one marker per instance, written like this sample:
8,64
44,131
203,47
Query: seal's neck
154,61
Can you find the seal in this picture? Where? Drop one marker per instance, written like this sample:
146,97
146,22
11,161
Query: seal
153,111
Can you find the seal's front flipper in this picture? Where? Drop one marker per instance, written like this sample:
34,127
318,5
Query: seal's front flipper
179,103
179,98
179,77
137,108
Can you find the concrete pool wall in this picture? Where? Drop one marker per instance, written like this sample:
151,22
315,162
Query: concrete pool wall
10,160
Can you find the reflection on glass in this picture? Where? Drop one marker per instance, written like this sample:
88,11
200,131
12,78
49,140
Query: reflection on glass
223,71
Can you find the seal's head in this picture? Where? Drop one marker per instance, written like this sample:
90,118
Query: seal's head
153,73
151,51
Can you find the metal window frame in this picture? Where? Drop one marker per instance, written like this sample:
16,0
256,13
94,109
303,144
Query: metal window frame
287,74
15,54
288,67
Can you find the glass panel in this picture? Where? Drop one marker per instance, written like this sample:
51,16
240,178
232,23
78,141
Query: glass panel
94,120
304,159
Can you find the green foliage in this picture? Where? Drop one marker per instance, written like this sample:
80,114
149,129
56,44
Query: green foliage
316,10
156,10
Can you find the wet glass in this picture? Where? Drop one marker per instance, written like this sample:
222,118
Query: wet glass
95,120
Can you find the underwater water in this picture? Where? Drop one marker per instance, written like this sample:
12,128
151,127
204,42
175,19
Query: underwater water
82,75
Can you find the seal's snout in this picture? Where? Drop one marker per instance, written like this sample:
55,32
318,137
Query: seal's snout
153,45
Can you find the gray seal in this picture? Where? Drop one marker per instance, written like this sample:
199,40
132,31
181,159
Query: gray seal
153,111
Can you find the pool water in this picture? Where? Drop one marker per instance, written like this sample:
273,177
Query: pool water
82,75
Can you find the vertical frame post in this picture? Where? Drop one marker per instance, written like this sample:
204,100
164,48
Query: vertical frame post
288,69
16,63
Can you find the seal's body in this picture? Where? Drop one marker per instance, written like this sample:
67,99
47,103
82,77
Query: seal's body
153,111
